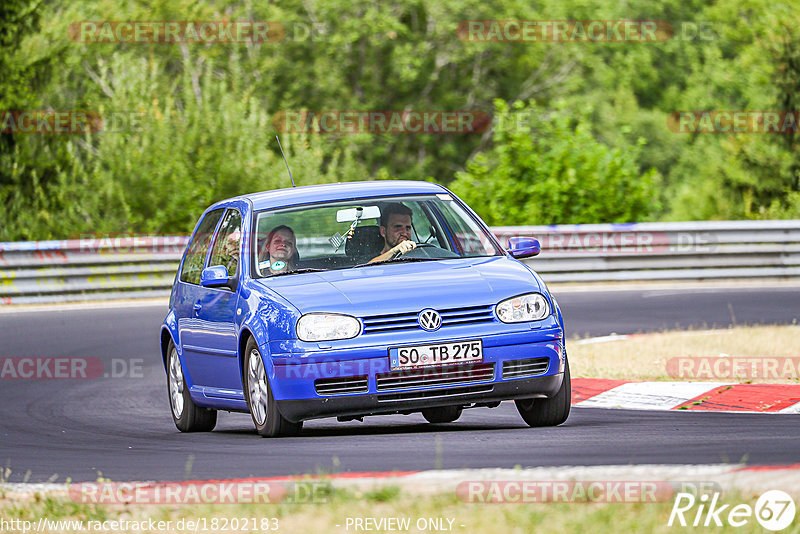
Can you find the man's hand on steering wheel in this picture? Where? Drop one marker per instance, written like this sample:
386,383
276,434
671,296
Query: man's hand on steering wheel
402,247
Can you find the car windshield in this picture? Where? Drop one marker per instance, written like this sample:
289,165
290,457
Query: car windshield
353,233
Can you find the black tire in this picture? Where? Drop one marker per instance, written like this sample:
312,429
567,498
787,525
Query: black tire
442,414
268,420
548,412
188,417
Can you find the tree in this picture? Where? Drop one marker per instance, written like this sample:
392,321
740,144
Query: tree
546,168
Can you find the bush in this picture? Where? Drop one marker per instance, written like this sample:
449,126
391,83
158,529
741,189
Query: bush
553,171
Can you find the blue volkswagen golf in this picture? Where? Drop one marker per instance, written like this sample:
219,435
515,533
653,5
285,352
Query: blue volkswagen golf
354,299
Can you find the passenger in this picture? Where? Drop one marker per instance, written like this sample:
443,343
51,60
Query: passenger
396,231
279,252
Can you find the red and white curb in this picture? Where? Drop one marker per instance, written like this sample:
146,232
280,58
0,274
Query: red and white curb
688,396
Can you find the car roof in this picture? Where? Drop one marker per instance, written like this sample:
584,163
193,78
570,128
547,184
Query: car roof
339,191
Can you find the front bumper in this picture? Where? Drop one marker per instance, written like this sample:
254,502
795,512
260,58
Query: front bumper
383,403
301,385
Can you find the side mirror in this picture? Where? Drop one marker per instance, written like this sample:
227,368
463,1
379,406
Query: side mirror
523,247
216,276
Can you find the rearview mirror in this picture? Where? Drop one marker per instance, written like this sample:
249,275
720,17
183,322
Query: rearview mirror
352,214
523,247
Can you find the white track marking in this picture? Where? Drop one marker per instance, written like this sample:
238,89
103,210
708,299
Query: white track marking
650,395
601,339
794,408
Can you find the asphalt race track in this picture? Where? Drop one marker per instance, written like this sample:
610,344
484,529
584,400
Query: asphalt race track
121,427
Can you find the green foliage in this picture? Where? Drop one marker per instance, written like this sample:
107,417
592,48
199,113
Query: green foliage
554,171
162,156
599,150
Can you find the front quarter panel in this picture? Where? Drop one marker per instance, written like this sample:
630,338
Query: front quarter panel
267,316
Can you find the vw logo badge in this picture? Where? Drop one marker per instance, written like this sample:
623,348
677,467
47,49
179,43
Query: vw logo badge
429,320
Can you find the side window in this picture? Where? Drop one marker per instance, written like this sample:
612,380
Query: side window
469,238
198,248
419,221
426,226
227,243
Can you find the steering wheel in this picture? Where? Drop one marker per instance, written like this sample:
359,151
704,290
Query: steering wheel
419,245
417,253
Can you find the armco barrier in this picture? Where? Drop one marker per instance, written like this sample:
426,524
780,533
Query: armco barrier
88,269
108,268
664,251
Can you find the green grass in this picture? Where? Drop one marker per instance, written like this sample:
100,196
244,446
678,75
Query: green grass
392,502
645,356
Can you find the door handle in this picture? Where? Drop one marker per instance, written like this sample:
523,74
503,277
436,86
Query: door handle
197,307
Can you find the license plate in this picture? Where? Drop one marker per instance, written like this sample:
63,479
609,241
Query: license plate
439,354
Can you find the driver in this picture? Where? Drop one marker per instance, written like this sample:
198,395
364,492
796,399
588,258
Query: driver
396,231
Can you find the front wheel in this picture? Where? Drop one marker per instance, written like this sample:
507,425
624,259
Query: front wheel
258,394
548,412
188,417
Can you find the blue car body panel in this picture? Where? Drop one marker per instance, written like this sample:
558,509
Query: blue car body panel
209,325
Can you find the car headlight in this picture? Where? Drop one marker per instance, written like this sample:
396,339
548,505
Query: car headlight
327,327
524,308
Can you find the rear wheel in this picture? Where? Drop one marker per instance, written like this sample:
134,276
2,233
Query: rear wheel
443,414
548,412
188,417
258,394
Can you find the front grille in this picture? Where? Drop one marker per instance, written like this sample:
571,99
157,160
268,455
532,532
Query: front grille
530,367
435,376
434,393
408,321
341,385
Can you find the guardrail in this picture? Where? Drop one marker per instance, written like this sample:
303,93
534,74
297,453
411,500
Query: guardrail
88,269
135,267
664,251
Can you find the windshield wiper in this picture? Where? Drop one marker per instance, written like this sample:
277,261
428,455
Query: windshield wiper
396,260
297,271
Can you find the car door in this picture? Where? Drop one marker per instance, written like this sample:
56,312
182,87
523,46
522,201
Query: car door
214,340
187,290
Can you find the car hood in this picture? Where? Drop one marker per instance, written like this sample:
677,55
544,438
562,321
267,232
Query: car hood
403,287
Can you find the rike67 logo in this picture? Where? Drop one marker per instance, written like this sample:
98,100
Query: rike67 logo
774,510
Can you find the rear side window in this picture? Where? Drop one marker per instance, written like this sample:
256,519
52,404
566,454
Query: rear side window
198,248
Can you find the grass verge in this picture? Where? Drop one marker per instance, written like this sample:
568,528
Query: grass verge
429,513
645,356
